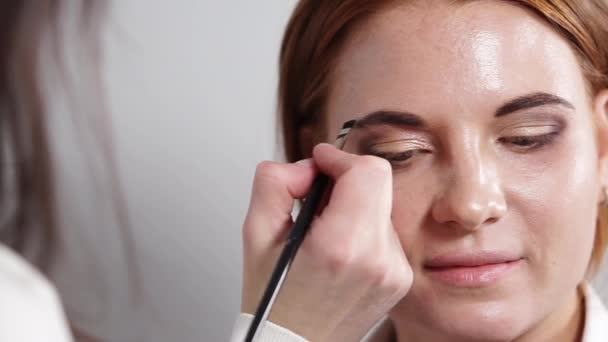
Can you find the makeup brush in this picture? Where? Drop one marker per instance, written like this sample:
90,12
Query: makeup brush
294,240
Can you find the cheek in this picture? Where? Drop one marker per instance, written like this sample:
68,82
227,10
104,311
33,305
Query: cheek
412,200
551,198
552,201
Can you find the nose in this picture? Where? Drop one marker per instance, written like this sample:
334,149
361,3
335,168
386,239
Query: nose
472,195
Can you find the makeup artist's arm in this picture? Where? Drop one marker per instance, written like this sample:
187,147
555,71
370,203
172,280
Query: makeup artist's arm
350,270
30,309
270,333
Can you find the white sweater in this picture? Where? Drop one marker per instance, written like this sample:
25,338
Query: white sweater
30,310
595,328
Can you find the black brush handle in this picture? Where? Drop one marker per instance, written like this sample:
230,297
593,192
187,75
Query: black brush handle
296,236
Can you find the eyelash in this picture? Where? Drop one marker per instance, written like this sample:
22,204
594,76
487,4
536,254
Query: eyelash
530,143
522,143
400,157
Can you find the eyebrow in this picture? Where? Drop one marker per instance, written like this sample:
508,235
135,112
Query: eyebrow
530,101
392,118
407,119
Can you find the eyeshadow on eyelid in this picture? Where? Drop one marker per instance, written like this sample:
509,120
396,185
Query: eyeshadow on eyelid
531,130
398,142
536,118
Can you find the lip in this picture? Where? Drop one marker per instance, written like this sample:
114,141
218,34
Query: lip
472,269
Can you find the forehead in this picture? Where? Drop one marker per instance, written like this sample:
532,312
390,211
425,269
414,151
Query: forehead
444,58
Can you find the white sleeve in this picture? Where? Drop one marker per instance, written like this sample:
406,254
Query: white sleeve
30,309
271,332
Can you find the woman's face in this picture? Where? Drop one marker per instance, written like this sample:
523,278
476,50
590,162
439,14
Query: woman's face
483,113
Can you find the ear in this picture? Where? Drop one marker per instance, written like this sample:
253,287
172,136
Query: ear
600,109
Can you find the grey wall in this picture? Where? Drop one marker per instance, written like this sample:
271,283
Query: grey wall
192,85
191,92
191,88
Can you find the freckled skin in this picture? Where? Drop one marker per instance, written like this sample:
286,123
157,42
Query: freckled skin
454,65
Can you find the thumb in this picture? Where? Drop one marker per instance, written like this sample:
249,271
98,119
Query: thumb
275,188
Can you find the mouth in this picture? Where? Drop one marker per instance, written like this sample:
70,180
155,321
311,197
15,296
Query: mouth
472,269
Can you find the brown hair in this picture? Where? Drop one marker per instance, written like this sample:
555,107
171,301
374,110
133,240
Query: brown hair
316,33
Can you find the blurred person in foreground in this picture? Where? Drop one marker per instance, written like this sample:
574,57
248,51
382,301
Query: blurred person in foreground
31,309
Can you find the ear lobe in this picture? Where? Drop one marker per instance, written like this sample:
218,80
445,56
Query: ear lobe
600,108
600,103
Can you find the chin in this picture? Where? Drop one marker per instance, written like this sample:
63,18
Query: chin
483,326
474,320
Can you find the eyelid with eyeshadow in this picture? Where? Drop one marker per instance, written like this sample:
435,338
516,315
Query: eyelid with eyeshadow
531,130
397,151
396,146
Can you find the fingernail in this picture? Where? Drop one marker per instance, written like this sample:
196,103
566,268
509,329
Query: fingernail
305,162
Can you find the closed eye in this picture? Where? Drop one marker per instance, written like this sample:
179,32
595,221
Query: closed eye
399,158
530,142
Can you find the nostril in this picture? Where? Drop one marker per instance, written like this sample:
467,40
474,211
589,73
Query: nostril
491,220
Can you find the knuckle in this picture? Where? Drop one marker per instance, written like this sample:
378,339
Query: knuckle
400,287
267,168
394,285
269,175
336,259
401,282
377,273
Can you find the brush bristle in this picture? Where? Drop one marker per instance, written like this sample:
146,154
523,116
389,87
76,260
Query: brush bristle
349,124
